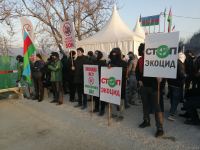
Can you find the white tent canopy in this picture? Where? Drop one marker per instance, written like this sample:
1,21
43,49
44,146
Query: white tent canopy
114,34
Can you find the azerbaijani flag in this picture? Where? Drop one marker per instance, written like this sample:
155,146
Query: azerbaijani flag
169,19
29,50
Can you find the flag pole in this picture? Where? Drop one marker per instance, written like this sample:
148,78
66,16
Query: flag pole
164,22
159,21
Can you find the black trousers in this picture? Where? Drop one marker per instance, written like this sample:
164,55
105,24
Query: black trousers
72,90
57,91
191,106
151,104
82,98
101,103
39,88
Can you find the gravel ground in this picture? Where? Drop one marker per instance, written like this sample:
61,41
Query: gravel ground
30,125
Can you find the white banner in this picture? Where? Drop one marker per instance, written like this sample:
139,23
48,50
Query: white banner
91,80
111,81
68,35
161,55
26,24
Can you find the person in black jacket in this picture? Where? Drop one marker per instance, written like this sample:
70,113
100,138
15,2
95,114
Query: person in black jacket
91,57
71,72
189,69
149,95
100,62
192,98
38,77
78,77
176,86
64,73
116,61
196,80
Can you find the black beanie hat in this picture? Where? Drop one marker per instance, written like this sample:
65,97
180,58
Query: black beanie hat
80,49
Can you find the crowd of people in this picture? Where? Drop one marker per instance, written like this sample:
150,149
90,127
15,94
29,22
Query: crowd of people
65,76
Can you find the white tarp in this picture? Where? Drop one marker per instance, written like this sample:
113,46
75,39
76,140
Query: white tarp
114,34
111,81
161,54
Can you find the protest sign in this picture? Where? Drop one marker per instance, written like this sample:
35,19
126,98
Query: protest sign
161,54
68,35
111,81
28,26
91,80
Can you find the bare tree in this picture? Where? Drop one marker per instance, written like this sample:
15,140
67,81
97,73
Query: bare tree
5,46
88,15
5,10
6,15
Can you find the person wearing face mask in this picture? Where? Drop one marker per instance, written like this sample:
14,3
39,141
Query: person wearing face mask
55,67
116,61
71,72
100,61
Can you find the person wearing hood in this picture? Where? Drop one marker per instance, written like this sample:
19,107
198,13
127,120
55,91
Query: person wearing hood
176,86
117,61
100,61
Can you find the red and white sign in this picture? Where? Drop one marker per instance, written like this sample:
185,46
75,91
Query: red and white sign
111,81
28,26
68,35
91,80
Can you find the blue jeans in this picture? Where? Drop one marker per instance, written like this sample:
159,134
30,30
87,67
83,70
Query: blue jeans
131,89
175,97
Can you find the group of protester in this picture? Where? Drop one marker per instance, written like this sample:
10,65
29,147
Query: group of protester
65,75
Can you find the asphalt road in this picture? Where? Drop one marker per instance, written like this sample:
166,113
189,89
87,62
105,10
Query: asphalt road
30,125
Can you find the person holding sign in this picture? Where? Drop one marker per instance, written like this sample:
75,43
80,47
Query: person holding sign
100,62
71,71
149,95
116,61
